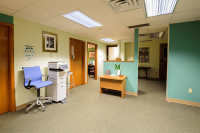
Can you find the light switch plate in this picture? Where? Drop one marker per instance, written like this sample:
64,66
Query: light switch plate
190,90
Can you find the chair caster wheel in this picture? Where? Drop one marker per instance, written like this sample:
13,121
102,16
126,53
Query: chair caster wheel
43,110
26,112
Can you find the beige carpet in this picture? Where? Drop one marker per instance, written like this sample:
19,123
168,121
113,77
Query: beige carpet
88,111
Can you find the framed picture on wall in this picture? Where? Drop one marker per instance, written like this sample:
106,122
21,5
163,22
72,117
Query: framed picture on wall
92,54
144,54
49,42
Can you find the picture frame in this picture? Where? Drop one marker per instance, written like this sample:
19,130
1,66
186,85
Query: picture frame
49,42
144,54
92,54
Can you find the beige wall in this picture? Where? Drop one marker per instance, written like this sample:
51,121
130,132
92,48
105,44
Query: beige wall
29,33
129,51
154,47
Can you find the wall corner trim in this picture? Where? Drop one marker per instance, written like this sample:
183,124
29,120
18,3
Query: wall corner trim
183,102
131,93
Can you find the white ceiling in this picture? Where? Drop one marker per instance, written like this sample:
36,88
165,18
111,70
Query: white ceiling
48,12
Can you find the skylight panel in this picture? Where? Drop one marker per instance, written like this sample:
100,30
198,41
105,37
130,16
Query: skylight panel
108,40
82,19
159,7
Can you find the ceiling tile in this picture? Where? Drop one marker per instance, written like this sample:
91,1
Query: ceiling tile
14,4
109,20
64,29
56,6
38,12
46,23
60,20
132,15
135,22
127,37
76,32
7,11
116,27
166,17
86,31
125,34
186,15
97,10
76,27
186,5
142,31
184,20
158,26
157,30
82,3
26,17
159,23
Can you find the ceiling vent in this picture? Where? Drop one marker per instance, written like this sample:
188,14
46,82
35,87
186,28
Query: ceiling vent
123,5
143,35
157,34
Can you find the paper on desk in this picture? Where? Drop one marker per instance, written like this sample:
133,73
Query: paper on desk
112,75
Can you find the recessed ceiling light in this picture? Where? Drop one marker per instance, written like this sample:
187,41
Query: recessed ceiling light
82,19
159,7
108,40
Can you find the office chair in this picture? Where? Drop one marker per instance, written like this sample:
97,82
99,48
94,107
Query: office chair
33,78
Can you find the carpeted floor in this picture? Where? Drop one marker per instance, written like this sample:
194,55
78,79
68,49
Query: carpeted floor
88,111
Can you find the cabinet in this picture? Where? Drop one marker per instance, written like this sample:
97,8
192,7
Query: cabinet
91,70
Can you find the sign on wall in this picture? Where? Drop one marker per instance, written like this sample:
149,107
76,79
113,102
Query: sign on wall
28,52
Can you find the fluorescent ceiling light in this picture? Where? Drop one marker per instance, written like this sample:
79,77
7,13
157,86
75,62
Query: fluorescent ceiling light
159,7
108,40
82,19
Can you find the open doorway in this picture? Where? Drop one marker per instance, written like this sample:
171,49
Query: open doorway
112,52
92,62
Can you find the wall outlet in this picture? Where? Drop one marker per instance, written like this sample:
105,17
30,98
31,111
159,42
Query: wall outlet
190,90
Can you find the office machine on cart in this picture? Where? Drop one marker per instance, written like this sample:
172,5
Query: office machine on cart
57,74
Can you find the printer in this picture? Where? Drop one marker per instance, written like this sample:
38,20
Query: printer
56,72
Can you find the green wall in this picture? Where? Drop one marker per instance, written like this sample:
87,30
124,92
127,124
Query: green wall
184,61
91,59
6,18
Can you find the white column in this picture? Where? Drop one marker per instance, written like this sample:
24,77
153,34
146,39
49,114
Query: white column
122,51
119,47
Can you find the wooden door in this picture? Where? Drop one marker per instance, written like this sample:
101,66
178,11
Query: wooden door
4,70
77,62
113,53
163,61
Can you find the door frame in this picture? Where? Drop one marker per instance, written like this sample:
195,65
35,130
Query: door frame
113,45
96,61
11,65
159,56
83,57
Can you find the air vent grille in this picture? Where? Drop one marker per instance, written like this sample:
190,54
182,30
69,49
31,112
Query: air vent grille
123,5
157,34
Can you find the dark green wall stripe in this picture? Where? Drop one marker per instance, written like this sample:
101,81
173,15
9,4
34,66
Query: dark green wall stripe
6,18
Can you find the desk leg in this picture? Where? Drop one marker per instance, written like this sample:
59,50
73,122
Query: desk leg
102,90
123,93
